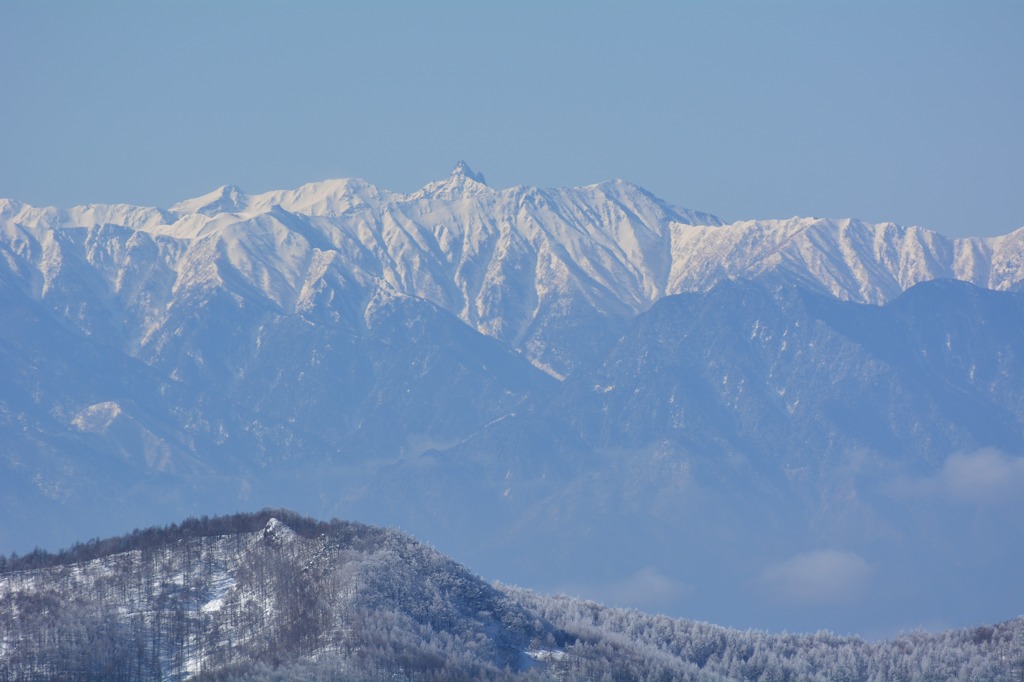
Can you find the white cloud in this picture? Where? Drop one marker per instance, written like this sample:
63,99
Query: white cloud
824,576
984,477
646,589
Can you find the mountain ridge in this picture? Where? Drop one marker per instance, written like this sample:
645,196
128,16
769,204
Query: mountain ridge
523,364
273,594
524,265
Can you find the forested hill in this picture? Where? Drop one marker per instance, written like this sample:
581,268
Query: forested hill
273,595
190,529
236,595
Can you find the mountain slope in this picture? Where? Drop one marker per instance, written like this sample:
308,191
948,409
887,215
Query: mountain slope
577,379
942,359
536,269
730,431
275,595
229,594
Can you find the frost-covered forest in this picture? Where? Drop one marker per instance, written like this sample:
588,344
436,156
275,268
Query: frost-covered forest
273,595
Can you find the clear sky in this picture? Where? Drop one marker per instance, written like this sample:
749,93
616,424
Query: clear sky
904,111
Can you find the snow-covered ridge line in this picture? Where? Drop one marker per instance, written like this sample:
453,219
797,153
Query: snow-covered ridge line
516,264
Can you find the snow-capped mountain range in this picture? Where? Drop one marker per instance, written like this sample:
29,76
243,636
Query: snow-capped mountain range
574,382
518,264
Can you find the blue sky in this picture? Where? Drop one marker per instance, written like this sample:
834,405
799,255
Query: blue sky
904,111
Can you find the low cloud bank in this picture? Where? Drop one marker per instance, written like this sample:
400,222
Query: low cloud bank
824,576
985,477
646,589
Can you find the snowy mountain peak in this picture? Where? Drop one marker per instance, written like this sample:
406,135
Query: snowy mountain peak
463,181
9,207
462,170
226,199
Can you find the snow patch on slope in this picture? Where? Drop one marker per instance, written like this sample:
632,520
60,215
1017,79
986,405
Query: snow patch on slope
96,418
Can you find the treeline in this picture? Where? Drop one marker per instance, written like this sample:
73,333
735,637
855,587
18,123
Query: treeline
660,644
275,596
162,607
157,536
199,600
